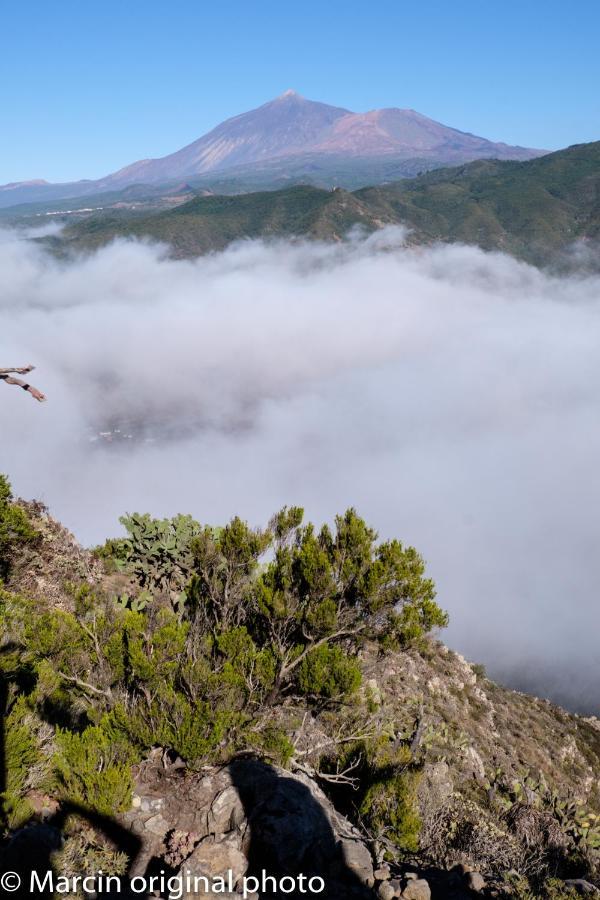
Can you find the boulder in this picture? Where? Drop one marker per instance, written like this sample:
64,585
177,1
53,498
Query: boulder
358,860
385,891
382,873
157,825
245,818
417,889
226,811
475,881
582,886
213,857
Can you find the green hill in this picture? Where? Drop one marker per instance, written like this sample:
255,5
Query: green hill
211,223
534,210
531,209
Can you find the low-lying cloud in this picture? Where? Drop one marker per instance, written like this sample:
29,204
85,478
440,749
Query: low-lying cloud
448,394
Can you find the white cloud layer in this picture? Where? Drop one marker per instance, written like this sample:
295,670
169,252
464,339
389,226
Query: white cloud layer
448,394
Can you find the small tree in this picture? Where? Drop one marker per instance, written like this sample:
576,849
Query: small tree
320,591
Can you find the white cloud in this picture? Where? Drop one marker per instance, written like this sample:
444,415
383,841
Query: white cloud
448,394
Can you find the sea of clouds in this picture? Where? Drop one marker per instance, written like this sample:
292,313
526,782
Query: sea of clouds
451,396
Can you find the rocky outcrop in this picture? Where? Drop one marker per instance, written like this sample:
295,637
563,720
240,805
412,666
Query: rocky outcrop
246,819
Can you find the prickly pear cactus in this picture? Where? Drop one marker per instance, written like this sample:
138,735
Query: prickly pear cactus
160,555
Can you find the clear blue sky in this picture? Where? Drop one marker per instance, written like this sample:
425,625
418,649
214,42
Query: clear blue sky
87,87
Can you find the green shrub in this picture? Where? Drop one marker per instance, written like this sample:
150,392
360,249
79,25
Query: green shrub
272,743
390,809
329,673
15,528
389,804
93,769
25,765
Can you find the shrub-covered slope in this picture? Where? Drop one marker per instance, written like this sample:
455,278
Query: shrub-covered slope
310,649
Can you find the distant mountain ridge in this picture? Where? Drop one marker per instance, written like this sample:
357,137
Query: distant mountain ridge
537,210
290,127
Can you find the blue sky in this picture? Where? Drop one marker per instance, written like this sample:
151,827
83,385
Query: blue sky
87,87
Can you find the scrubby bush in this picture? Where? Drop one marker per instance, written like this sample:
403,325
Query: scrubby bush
92,770
259,620
15,528
389,804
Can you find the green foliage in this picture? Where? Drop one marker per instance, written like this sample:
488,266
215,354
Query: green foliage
158,553
325,589
136,604
327,672
15,527
389,805
93,769
272,743
579,824
533,209
25,766
263,616
521,888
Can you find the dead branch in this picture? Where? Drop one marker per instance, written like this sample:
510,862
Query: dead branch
7,376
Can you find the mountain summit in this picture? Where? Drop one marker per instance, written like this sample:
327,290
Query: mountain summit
286,126
291,126
296,137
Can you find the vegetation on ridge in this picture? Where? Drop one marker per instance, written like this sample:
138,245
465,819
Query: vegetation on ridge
306,647
265,617
535,210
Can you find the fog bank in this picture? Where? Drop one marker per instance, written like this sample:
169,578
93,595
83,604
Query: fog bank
451,396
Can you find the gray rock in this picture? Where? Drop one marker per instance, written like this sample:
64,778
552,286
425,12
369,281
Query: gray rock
475,881
382,873
156,825
226,811
359,860
284,820
397,885
582,886
417,890
385,891
216,858
462,868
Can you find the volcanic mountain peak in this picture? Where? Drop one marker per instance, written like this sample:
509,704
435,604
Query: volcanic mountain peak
290,125
305,132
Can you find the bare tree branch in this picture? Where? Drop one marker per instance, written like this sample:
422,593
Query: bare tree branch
7,375
85,686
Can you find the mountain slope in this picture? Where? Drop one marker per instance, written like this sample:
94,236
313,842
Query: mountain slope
211,223
534,210
531,209
292,127
285,126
